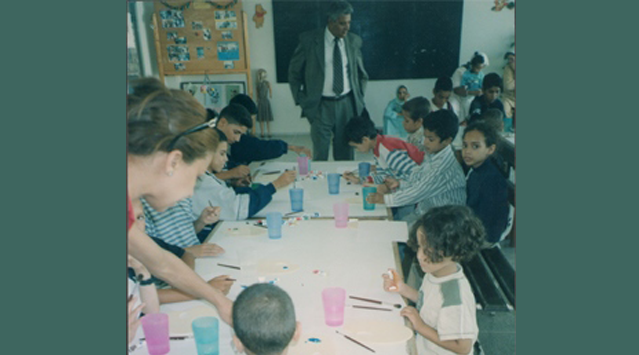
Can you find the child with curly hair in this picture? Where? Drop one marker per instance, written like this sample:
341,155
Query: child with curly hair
444,317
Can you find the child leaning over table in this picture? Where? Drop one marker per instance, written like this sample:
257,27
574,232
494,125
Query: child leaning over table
264,321
444,318
393,156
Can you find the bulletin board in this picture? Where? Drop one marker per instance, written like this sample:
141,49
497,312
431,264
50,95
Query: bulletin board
201,37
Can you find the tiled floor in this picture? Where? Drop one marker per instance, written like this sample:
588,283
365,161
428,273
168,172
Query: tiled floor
496,329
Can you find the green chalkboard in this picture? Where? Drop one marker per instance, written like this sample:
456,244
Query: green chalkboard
402,39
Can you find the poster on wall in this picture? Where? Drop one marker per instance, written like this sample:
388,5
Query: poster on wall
178,53
214,94
228,51
172,19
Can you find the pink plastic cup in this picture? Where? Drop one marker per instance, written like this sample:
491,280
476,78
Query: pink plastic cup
340,210
334,299
156,332
302,162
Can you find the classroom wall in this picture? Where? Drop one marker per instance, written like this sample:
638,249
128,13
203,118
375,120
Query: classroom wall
482,29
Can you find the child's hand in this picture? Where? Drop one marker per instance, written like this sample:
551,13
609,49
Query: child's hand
375,198
382,189
138,267
210,215
240,171
349,176
300,150
393,284
413,316
221,283
391,183
285,179
132,318
203,250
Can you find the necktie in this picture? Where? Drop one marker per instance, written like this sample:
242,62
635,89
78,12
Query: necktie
338,70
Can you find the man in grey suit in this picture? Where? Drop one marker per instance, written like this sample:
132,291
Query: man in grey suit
328,80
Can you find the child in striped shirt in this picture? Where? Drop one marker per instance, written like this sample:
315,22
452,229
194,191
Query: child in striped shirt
393,157
438,181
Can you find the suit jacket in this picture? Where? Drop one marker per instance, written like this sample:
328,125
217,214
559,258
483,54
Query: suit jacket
306,71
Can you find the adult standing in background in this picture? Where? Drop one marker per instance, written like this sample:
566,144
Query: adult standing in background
327,79
508,96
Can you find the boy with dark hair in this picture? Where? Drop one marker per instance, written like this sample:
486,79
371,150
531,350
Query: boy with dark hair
441,94
414,112
234,121
393,157
264,321
250,148
492,87
438,181
494,118
445,315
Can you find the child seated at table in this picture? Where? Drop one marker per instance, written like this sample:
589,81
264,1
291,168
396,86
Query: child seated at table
441,95
234,120
250,148
494,118
486,187
264,321
393,157
492,86
239,203
438,181
414,112
445,313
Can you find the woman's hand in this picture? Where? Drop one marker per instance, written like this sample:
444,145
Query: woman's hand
204,250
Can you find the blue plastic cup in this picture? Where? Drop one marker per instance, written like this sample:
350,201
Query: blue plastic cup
274,223
364,170
333,183
365,192
206,331
297,199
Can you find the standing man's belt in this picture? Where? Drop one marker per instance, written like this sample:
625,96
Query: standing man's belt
336,98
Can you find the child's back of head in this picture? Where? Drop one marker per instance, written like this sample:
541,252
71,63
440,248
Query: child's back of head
443,123
264,319
417,107
237,114
451,231
494,118
359,127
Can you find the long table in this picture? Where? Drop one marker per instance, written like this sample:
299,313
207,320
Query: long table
316,197
353,258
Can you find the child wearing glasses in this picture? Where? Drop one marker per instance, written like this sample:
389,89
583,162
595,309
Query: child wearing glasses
444,317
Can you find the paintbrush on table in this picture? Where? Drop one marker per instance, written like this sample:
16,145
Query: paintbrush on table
354,341
396,305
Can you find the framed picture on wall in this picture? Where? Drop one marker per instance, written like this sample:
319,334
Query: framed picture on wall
214,94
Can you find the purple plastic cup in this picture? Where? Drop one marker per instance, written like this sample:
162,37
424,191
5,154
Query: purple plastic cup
302,162
156,332
340,210
334,299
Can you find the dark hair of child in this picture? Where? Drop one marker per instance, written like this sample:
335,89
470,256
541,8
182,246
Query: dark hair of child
245,101
444,83
493,117
359,127
492,80
443,123
264,319
237,114
490,134
476,59
451,231
417,107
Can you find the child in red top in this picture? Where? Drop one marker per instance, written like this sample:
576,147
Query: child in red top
393,156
